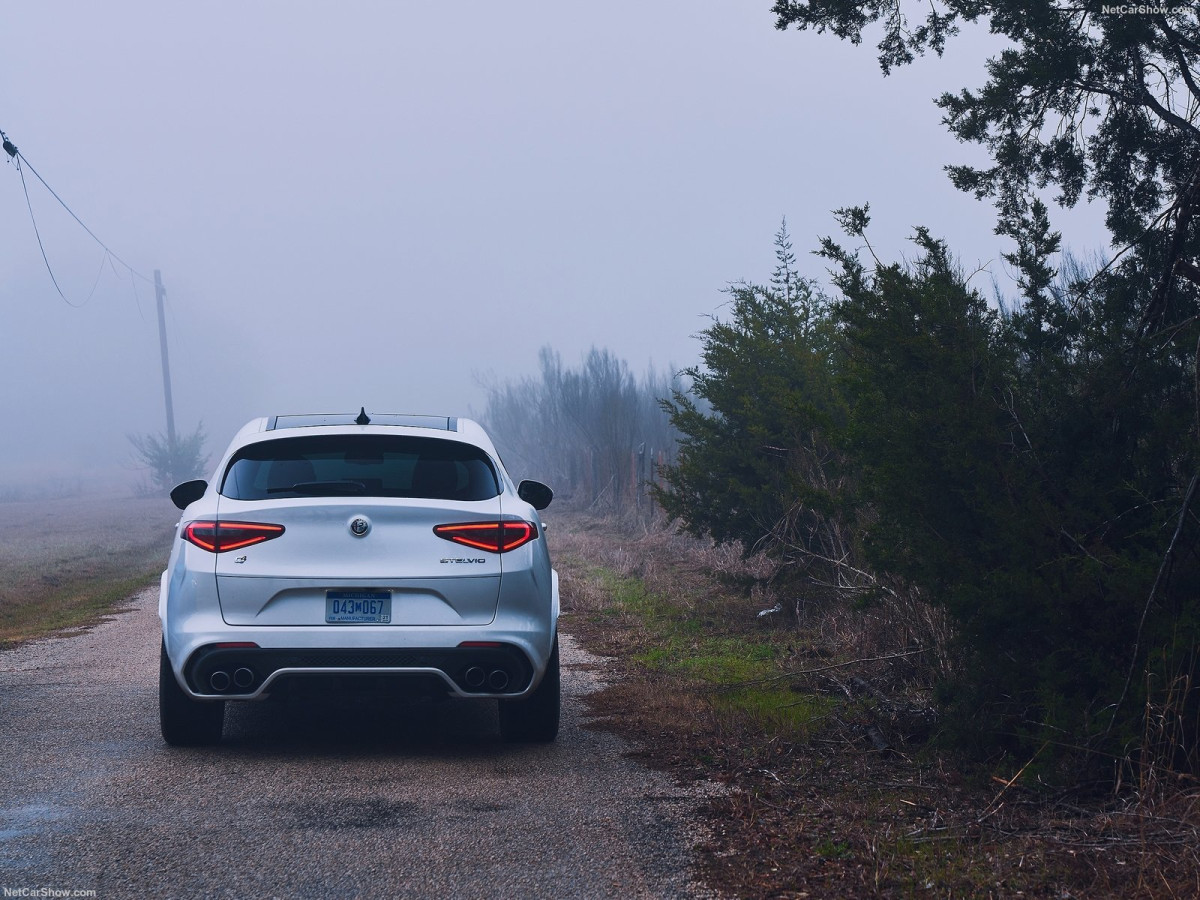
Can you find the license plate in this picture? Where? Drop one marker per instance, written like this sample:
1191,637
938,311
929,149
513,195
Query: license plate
358,607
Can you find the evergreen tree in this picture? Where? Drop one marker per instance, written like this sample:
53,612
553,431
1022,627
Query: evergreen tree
755,461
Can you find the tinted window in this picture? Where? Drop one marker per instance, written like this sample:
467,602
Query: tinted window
357,465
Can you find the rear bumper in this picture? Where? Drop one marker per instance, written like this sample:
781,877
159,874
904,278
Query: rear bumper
250,673
434,652
525,626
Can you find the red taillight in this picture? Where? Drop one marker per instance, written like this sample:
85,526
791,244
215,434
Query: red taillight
221,537
495,537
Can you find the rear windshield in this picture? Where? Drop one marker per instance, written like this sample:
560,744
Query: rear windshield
356,465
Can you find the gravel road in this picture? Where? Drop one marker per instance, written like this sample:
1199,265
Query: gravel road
322,800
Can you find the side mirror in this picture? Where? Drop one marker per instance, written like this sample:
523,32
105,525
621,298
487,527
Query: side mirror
535,494
183,495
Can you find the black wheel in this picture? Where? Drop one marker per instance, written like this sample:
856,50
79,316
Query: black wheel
535,719
186,722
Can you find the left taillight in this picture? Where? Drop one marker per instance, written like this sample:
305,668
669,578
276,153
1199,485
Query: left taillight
221,537
494,537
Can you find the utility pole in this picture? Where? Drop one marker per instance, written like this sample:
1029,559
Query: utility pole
159,293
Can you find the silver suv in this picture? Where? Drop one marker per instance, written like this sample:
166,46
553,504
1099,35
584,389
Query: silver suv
340,552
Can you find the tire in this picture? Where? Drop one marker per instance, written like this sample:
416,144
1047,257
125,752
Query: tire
534,720
186,722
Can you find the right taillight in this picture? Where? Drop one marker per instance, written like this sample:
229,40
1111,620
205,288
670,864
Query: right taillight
221,537
494,537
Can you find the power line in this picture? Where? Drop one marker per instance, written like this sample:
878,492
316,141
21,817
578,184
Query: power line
77,219
133,284
36,232
22,163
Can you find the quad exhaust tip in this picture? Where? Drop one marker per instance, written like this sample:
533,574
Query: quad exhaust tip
221,681
476,678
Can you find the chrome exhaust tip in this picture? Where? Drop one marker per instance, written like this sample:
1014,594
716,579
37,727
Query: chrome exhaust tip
243,678
498,680
219,680
475,677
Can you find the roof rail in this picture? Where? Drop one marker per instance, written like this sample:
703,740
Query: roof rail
440,423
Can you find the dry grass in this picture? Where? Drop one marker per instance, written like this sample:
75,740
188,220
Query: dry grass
66,561
816,809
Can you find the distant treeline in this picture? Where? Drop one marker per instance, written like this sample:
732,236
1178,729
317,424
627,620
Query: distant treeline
594,432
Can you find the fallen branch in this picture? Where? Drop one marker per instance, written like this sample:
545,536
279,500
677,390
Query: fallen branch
829,668
867,688
1010,782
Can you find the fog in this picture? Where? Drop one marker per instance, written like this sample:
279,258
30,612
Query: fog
387,204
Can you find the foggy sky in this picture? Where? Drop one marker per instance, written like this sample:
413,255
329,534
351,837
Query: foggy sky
386,203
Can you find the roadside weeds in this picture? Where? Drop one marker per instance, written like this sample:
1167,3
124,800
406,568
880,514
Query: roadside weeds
833,791
67,562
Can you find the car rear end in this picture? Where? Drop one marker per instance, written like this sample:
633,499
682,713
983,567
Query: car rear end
356,553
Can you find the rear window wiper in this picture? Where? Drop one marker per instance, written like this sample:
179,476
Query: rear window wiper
333,488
